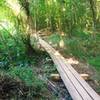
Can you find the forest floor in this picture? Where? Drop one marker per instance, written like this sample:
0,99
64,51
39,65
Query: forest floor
42,87
45,67
15,88
81,66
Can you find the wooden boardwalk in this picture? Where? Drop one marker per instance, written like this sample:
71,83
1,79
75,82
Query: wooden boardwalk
78,88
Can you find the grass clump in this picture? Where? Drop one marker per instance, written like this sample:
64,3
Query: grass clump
23,73
27,75
54,38
95,62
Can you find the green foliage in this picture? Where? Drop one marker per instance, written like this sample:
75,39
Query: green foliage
95,62
13,51
81,34
54,38
81,45
75,47
67,15
19,66
49,67
21,83
27,75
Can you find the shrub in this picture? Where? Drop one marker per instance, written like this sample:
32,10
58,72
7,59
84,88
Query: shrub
13,86
95,62
27,75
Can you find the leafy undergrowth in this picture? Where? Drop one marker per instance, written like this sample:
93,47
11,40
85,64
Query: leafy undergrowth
18,79
82,46
22,83
57,87
95,62
20,86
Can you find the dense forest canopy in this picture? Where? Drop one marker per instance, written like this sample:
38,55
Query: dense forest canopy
63,15
71,17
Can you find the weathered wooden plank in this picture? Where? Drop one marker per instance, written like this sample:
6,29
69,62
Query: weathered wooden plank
72,90
68,83
72,79
86,86
70,76
76,84
92,94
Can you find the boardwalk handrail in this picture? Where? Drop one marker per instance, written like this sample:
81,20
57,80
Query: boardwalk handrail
78,88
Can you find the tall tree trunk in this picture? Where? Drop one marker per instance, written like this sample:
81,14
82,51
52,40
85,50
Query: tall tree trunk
93,10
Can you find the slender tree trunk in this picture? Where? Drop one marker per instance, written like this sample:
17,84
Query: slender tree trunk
93,10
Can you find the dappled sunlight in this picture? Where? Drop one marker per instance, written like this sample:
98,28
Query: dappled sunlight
64,9
62,34
50,42
56,53
5,24
14,5
61,44
72,61
55,1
